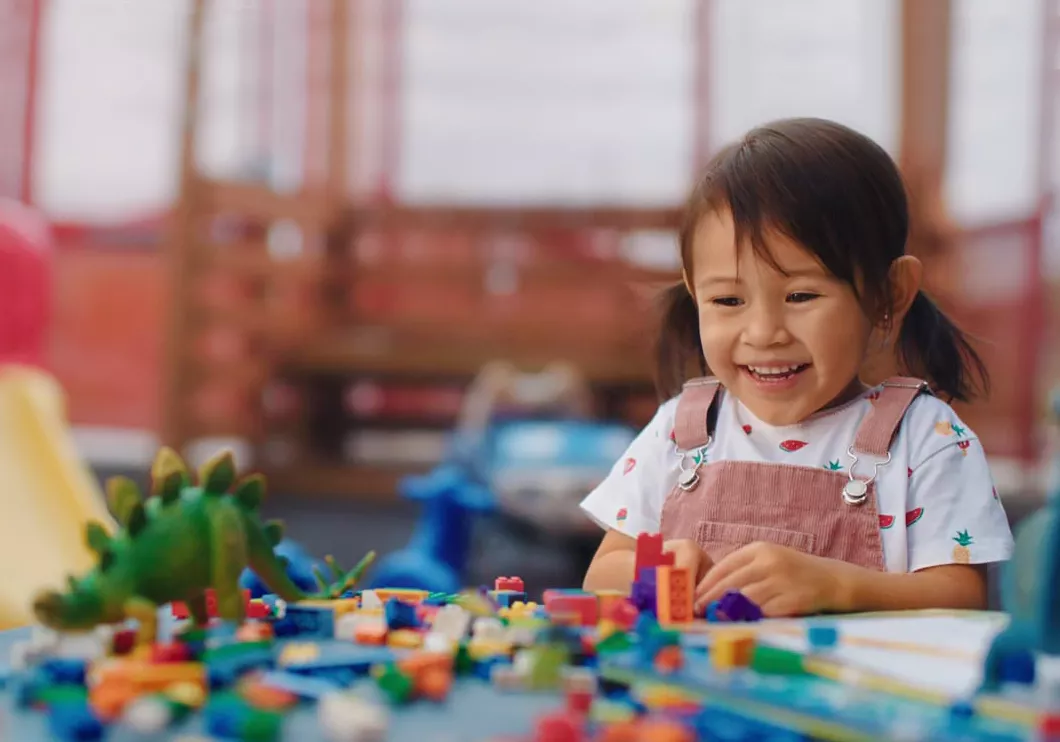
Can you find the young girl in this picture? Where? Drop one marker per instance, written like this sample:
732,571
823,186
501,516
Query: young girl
780,473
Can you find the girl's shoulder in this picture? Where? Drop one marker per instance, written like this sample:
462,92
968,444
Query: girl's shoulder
930,425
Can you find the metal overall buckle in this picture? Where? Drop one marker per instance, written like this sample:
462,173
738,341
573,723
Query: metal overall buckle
688,477
856,490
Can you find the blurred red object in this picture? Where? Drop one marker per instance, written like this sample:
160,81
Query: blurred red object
25,284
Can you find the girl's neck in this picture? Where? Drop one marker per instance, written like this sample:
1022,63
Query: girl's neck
853,390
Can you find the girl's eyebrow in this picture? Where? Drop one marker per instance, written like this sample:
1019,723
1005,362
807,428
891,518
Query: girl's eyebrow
809,272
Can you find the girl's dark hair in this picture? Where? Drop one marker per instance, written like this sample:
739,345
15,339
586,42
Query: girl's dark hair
840,195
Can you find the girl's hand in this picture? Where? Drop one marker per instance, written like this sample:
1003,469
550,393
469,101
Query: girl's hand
782,581
688,554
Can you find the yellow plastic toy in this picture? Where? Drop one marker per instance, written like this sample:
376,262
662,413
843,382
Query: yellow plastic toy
48,494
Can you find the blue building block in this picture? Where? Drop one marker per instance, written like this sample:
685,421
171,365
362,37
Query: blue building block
304,686
74,721
310,621
400,615
505,598
822,636
1018,667
64,670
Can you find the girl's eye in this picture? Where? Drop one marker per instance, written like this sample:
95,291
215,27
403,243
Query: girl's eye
726,301
801,296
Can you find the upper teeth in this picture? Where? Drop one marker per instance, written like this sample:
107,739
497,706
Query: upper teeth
773,369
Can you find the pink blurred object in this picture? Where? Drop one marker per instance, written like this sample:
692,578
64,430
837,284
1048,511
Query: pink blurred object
25,284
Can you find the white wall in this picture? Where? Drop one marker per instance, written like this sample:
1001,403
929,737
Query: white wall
550,101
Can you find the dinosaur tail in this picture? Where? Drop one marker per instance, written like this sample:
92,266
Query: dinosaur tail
272,569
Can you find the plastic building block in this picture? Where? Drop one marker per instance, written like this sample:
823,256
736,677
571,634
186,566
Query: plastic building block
673,595
344,717
75,721
649,553
822,636
643,593
513,584
148,715
734,606
776,661
559,727
395,684
584,607
731,650
303,686
400,615
506,598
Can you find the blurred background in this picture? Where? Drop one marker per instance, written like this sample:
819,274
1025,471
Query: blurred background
357,239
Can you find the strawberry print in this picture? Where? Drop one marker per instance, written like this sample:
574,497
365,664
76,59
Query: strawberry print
963,445
628,466
886,521
621,516
673,435
747,429
791,445
833,465
913,516
873,396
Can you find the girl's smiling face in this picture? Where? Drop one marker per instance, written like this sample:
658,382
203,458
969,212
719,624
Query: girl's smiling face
788,339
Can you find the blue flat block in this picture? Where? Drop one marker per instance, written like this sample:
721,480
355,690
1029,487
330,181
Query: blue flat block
505,598
60,670
822,636
400,615
307,621
303,686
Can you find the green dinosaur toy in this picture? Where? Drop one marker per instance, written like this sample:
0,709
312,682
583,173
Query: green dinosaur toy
177,543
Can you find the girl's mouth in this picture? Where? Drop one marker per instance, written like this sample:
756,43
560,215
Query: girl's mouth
774,374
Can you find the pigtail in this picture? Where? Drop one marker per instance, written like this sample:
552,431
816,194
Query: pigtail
679,343
934,348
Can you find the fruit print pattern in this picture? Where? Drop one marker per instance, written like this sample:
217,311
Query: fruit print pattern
913,516
886,521
963,445
945,427
747,429
628,466
621,515
791,445
961,553
833,465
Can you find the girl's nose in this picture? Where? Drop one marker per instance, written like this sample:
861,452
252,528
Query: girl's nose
765,327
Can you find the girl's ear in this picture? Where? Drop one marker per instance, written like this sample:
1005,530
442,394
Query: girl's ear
905,274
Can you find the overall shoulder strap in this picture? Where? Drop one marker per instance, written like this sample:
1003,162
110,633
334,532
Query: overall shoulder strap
877,430
691,423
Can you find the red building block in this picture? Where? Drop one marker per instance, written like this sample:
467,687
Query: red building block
180,610
650,554
584,606
515,584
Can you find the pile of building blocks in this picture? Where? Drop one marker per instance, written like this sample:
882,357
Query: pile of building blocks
622,668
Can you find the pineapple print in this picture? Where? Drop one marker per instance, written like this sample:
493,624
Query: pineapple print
961,553
834,465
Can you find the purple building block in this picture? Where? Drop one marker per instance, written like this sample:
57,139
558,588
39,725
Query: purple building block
643,593
735,606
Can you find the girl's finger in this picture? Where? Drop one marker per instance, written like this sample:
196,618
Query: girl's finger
724,569
779,605
742,577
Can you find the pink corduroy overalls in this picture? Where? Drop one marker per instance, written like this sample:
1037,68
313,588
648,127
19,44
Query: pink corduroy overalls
724,505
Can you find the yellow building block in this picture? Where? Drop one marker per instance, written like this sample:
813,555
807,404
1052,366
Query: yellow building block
405,595
608,599
405,639
731,649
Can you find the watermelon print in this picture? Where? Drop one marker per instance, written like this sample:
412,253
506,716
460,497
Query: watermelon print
908,472
791,445
747,429
913,516
963,445
886,521
621,516
629,466
833,465
673,435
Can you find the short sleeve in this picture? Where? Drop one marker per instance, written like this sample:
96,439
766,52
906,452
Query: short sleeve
631,497
954,515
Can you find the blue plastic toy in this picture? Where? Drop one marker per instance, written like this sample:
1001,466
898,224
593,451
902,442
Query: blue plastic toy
1029,593
436,556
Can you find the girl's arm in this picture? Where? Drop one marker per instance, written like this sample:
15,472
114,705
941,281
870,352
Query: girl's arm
960,586
612,565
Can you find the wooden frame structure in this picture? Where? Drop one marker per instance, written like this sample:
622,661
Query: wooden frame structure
220,233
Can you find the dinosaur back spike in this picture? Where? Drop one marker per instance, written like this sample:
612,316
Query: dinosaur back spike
96,537
251,491
171,487
137,520
167,461
274,531
122,495
218,473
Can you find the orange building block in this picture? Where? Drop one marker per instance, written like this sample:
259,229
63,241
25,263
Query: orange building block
673,594
370,633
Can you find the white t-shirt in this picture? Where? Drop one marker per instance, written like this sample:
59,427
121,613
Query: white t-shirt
936,498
